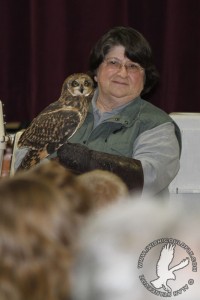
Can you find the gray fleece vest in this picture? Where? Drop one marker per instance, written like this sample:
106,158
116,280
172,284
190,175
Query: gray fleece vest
117,134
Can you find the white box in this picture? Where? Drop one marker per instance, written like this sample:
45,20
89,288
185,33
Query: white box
187,181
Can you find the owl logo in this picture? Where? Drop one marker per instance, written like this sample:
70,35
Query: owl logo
163,271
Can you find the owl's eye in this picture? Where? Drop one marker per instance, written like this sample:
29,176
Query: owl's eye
86,83
75,83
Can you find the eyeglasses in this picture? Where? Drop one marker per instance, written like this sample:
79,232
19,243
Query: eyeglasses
116,65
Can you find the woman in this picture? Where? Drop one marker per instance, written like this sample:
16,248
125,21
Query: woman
123,133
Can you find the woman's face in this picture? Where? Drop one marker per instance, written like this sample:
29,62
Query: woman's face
119,79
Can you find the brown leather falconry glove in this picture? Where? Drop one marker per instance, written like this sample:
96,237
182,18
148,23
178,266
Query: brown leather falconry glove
80,159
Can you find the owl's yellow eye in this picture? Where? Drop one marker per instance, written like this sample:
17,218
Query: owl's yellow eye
75,83
86,83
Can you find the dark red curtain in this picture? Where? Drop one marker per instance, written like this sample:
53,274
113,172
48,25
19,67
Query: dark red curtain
43,41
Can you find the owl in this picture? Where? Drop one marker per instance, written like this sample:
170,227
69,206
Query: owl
58,121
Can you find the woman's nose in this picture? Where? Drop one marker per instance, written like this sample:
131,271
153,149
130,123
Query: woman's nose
123,71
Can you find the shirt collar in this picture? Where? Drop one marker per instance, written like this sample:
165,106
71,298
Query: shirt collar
113,112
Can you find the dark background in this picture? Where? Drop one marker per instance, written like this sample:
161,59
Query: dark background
43,41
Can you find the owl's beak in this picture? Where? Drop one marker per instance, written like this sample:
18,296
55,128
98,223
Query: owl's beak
81,89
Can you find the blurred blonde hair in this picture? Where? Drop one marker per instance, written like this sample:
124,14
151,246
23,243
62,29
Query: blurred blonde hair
36,233
104,187
75,193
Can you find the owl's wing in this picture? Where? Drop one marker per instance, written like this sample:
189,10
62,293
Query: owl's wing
31,158
52,106
50,129
166,257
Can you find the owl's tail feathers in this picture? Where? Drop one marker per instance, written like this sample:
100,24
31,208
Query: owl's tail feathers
32,158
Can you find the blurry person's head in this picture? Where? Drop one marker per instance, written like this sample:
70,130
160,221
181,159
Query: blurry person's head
139,249
67,183
36,233
103,186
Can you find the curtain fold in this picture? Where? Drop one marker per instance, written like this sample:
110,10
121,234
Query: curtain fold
43,41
